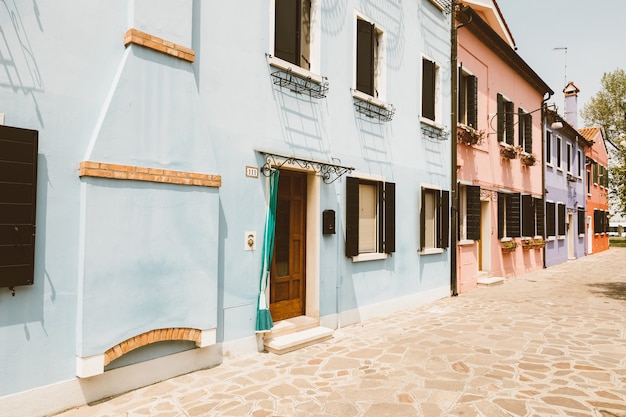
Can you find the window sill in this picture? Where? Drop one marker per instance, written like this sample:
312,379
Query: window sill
465,242
580,235
551,238
431,251
294,69
359,95
506,239
364,257
432,123
561,238
549,165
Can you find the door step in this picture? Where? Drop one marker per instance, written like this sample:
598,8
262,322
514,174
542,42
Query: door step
490,281
292,334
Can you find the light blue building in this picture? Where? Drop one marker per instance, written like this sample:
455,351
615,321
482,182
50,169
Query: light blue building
143,139
565,185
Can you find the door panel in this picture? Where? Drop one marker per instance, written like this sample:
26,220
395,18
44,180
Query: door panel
287,276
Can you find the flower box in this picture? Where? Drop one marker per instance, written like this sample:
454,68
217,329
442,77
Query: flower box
508,152
508,247
527,159
470,136
528,244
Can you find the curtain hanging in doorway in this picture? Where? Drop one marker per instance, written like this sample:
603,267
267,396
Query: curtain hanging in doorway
263,316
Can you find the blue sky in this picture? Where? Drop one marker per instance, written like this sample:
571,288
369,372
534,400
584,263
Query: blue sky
592,31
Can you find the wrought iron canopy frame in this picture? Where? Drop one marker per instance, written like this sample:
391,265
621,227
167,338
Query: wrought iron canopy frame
329,172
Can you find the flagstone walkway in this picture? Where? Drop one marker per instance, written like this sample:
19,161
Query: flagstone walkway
548,343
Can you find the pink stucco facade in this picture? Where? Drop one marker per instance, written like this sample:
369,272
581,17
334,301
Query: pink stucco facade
482,164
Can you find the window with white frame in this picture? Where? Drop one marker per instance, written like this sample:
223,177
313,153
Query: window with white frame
550,219
370,216
560,208
568,156
532,216
468,99
559,149
430,90
469,212
292,32
369,58
505,124
549,148
579,164
434,219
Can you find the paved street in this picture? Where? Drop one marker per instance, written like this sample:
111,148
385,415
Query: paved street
549,343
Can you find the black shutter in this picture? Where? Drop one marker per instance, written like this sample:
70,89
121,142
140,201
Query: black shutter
423,220
501,206
472,101
595,172
462,103
18,196
365,42
352,216
513,215
528,133
596,221
548,147
509,108
443,220
501,117
521,127
428,89
528,216
472,218
287,30
539,217
550,219
605,221
561,209
390,217
581,220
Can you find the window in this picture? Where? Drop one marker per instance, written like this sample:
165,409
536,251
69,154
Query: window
434,219
549,148
292,31
595,173
468,99
559,149
579,164
508,215
568,155
600,221
368,58
505,120
370,216
469,212
532,216
430,89
561,218
581,220
550,219
588,182
18,195
525,133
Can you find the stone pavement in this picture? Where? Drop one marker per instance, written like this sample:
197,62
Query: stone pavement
548,343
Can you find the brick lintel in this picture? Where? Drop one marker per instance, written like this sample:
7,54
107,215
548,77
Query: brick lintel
158,44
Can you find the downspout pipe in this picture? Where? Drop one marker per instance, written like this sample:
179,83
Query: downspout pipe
543,166
453,157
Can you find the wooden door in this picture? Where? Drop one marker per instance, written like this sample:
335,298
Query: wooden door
287,276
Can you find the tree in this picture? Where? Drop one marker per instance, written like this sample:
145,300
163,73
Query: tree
608,109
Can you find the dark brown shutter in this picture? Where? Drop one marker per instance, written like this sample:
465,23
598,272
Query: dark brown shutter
365,42
18,195
509,108
528,216
472,101
462,103
423,220
352,216
513,215
548,147
596,221
528,133
472,211
501,206
501,117
561,218
390,217
605,221
287,30
550,219
539,216
428,89
443,220
581,220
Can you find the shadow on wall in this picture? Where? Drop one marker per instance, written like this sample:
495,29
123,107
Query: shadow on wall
333,16
389,14
614,290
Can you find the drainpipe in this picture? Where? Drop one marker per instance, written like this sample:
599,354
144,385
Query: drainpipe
543,168
453,145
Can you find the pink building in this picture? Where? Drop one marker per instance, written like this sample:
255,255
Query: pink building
499,152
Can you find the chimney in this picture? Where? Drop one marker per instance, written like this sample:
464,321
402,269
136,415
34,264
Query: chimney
571,104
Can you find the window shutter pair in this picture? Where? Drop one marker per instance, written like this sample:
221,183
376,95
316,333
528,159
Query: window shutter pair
561,218
386,217
442,226
508,215
428,89
18,195
550,219
581,220
365,44
473,212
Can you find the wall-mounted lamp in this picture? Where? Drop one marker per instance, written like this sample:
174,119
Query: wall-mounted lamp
556,125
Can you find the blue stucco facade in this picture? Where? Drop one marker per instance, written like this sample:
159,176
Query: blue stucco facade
118,258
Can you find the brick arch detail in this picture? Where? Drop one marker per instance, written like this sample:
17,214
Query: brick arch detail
149,337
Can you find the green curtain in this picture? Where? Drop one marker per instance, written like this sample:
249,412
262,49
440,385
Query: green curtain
263,316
